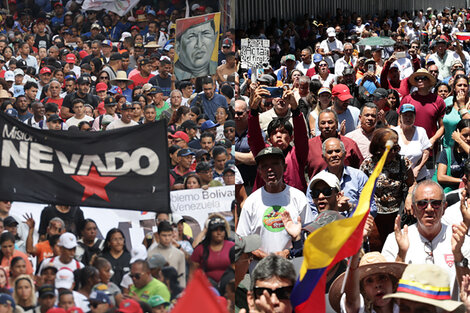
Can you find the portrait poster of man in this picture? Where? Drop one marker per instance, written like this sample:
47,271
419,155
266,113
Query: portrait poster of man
197,44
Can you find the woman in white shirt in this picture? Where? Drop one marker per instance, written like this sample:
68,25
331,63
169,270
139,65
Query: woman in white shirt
413,141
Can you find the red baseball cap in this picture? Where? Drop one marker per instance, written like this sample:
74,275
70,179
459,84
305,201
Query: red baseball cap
342,92
181,135
70,58
129,306
83,54
183,24
45,70
101,87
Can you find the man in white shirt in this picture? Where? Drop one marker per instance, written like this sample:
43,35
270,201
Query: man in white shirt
66,258
429,241
127,109
331,48
347,60
307,62
79,116
262,210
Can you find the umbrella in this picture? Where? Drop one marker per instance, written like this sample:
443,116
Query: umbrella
377,41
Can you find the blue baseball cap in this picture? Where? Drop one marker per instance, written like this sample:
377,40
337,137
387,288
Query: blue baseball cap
12,112
317,57
208,124
99,297
7,299
407,108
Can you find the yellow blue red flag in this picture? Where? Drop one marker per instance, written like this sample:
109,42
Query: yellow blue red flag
330,244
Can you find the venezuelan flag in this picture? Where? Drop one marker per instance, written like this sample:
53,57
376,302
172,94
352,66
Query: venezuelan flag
330,244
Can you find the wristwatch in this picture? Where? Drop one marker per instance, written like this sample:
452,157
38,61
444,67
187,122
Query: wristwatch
463,263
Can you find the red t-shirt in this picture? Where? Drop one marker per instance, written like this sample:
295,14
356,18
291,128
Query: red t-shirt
429,109
139,80
56,101
217,262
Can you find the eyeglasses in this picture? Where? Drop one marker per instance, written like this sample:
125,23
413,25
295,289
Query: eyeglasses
282,293
423,204
429,252
327,192
239,113
418,78
136,275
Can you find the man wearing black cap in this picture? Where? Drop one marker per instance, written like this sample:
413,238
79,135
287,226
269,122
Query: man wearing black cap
127,110
46,299
183,169
190,128
54,122
110,105
156,93
114,65
205,173
143,75
83,93
262,210
385,116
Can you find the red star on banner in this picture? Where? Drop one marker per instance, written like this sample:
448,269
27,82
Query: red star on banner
94,184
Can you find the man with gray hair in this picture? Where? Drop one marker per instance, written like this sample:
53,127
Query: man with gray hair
347,60
429,241
328,126
272,282
352,180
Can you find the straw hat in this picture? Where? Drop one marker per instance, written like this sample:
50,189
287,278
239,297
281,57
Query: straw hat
121,76
152,44
421,72
5,95
371,263
141,18
427,283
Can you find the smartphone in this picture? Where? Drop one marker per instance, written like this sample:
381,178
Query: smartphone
371,68
400,55
275,92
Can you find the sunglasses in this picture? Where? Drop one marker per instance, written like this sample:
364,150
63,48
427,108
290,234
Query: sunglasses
418,78
136,276
104,77
423,204
239,113
282,293
327,192
229,130
94,305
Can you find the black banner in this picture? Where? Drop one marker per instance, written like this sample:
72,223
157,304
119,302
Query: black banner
126,168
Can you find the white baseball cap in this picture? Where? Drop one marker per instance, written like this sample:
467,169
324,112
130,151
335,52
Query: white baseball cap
64,279
138,253
67,240
330,179
9,76
18,71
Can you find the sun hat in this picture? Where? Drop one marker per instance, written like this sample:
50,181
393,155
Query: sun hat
429,284
371,263
421,72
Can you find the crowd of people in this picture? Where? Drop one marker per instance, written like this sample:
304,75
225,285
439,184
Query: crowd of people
64,68
311,126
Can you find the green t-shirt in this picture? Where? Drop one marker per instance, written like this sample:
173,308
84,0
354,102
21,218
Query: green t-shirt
160,110
155,287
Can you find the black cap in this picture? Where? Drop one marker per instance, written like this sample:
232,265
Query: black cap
21,64
155,90
84,79
53,118
144,62
269,151
224,142
109,101
46,290
267,79
229,123
216,222
203,166
380,93
185,152
10,221
190,124
127,106
115,57
229,168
